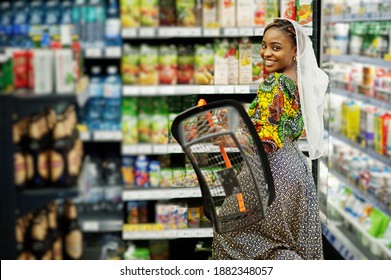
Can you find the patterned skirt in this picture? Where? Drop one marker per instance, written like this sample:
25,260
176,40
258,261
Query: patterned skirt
291,227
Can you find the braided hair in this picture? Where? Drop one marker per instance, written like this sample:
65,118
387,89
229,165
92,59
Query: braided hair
284,26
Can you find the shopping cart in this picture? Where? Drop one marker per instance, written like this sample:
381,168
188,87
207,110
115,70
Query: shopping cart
235,180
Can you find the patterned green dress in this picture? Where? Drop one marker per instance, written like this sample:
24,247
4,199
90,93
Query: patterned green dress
291,228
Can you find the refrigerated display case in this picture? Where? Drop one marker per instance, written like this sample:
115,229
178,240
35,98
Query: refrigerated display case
355,186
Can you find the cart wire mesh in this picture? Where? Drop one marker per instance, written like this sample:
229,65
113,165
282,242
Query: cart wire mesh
235,179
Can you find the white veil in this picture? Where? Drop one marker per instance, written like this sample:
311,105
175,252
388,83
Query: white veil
312,85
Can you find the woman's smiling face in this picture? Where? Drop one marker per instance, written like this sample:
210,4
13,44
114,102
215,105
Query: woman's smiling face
278,51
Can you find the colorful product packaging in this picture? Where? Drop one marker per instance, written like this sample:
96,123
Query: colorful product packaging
185,11
259,12
160,123
288,9
127,170
245,61
233,62
129,120
130,64
168,63
149,13
204,65
304,12
227,13
167,13
185,66
209,14
43,79
65,80
130,13
221,48
145,119
149,64
244,13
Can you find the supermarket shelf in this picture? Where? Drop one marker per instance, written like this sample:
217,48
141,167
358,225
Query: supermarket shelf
377,246
33,199
361,193
27,103
163,90
367,99
101,136
193,32
160,193
106,52
357,59
358,17
101,222
157,231
344,246
384,159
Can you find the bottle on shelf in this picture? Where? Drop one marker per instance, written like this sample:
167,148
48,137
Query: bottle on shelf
54,233
73,236
40,249
112,97
113,24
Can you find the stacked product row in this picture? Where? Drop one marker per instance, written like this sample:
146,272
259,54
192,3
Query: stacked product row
36,22
43,71
364,124
168,215
371,39
368,80
222,62
212,13
50,234
48,150
368,175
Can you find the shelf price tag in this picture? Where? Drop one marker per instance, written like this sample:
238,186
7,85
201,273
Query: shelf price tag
211,32
144,148
105,135
166,32
231,31
242,89
129,32
174,149
131,90
248,31
258,31
207,89
113,52
93,53
148,90
146,32
192,32
128,149
308,31
166,90
160,149
226,89
85,135
90,226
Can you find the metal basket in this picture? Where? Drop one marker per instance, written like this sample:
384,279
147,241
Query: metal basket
236,182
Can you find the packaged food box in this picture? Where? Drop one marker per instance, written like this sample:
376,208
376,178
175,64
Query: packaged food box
130,64
149,64
209,14
149,13
185,66
221,48
168,63
204,65
185,12
130,13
